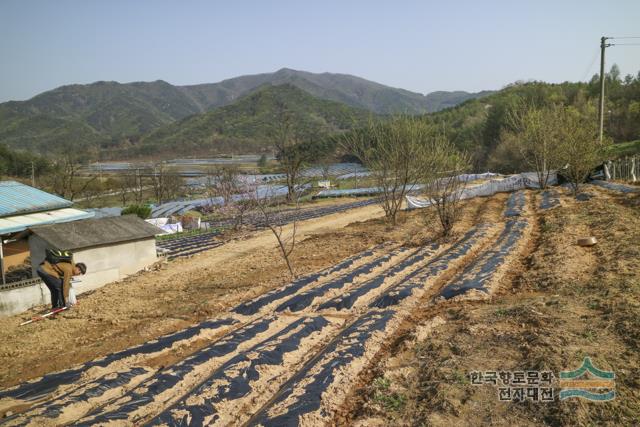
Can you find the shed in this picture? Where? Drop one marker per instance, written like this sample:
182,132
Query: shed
21,207
112,248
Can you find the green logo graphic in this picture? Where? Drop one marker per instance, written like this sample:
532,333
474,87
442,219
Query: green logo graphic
588,382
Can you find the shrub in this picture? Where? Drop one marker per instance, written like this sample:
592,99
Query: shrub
142,211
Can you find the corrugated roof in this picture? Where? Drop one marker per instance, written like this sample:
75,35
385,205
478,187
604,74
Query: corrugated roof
16,223
18,199
96,232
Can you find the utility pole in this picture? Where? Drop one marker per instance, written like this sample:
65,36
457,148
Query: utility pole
603,46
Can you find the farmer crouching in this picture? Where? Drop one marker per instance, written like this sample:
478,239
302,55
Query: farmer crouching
57,276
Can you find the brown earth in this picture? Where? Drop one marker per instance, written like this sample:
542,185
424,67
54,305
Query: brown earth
182,292
551,304
186,291
559,303
143,307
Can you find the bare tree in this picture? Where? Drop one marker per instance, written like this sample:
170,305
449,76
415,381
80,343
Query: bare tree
135,185
236,192
239,209
581,150
122,188
92,190
223,182
66,178
166,184
537,131
395,153
270,208
294,149
444,186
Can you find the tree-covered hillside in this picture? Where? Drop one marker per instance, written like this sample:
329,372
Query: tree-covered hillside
112,115
477,125
246,125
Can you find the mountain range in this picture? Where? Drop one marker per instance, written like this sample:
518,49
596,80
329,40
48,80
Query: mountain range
108,115
247,124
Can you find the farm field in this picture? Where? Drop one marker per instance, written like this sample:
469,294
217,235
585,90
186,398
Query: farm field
381,326
178,247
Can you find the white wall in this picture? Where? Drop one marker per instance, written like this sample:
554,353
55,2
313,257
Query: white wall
110,263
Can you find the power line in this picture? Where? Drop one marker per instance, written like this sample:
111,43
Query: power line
595,57
627,37
624,44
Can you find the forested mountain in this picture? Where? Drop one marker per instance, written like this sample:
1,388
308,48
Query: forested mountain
351,90
110,114
114,120
247,124
94,114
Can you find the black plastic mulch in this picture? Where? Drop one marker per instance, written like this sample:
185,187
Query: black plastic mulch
302,300
348,299
515,204
164,380
236,375
549,199
38,388
348,345
622,188
403,290
252,307
477,273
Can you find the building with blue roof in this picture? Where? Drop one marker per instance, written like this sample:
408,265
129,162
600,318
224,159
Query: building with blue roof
22,207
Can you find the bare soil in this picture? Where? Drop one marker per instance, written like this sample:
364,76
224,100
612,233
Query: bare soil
547,305
559,303
180,293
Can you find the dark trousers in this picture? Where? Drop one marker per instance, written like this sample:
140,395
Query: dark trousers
55,287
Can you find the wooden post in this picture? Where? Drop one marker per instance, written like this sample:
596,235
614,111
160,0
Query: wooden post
2,262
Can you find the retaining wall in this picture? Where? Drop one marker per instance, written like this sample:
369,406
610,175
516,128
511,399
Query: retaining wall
18,297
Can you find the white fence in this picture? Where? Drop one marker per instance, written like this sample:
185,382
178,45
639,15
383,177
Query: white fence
624,169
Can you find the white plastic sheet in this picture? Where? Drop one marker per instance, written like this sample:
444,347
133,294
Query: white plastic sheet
491,187
158,222
172,228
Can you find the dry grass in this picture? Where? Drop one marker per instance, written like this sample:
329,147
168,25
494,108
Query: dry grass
564,303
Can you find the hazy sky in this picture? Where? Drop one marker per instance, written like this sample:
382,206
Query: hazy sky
419,45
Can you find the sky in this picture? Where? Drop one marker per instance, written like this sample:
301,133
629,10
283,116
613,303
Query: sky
419,45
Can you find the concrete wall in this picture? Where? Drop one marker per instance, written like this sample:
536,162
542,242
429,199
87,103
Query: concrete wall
17,300
105,264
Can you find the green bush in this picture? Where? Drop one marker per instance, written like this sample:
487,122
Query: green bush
142,211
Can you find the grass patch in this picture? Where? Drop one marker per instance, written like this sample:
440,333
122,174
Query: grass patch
383,395
624,148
